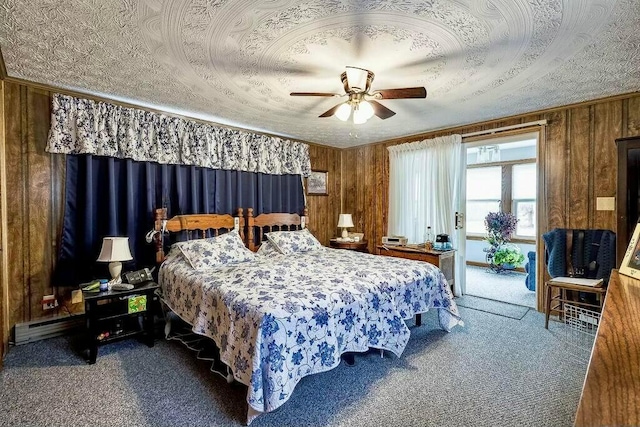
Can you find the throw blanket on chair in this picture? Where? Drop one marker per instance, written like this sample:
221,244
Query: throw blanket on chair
597,245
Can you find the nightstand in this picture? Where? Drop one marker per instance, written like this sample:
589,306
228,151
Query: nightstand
360,246
116,315
444,260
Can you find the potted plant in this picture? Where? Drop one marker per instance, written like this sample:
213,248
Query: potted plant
508,256
500,254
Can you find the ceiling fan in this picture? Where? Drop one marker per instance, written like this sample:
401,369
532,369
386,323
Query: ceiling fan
363,102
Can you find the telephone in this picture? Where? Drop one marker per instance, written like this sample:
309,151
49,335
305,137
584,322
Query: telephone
139,276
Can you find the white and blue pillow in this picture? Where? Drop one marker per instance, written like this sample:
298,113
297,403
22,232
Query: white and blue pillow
289,242
267,249
205,254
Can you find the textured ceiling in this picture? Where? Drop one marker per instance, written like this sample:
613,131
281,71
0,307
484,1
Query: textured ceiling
234,62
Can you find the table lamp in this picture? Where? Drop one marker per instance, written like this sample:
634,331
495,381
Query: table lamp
345,221
114,250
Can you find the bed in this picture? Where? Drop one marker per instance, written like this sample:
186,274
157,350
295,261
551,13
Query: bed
415,286
278,318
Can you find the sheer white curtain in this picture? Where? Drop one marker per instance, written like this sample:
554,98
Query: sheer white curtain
425,189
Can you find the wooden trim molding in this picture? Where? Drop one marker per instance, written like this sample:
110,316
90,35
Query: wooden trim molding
4,257
542,223
486,124
3,67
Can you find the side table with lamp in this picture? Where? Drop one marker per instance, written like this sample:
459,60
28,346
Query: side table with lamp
354,243
114,251
118,310
115,315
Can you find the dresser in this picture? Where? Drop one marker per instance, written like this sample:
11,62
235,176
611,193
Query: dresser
611,390
444,260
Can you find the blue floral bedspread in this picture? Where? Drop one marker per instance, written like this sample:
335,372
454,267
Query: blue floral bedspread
282,317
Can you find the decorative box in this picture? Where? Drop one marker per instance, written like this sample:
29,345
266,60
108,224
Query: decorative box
137,303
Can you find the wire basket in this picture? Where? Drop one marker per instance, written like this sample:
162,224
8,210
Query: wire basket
580,331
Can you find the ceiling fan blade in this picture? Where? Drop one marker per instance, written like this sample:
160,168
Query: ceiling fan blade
313,94
405,92
330,112
381,111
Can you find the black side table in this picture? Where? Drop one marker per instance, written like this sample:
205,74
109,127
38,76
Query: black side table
108,317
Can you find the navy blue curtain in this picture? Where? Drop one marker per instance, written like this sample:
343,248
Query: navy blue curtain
106,196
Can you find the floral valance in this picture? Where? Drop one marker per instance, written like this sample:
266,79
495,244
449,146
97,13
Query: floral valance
83,126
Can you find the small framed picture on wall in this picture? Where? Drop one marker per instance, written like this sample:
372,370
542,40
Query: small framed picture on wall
631,263
317,183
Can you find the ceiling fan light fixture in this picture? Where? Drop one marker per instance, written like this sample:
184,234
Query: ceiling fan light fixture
363,103
357,77
343,112
359,116
365,108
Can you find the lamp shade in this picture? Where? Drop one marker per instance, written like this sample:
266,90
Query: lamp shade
345,220
115,249
343,112
357,77
366,109
359,117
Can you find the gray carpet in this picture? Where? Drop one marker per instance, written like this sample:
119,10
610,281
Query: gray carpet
494,371
507,287
494,307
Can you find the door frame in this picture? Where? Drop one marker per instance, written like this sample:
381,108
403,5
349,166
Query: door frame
538,132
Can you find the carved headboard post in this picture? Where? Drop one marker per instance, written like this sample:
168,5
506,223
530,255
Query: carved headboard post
240,223
304,221
160,221
251,244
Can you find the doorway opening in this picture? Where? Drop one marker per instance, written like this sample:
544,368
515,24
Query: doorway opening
501,187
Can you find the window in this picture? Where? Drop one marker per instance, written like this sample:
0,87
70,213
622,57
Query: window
504,182
524,198
484,189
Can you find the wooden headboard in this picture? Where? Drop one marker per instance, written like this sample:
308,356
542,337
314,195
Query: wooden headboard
258,225
196,226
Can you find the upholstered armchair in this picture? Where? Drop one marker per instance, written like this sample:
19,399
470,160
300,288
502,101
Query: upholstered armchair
530,268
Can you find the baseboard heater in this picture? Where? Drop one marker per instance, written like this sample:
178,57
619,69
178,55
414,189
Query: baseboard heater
46,328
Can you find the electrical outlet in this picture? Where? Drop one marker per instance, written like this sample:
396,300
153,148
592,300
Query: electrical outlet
49,302
605,203
76,296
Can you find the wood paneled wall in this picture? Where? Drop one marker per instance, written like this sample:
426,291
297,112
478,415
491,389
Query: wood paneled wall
34,209
366,190
34,214
324,210
579,164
